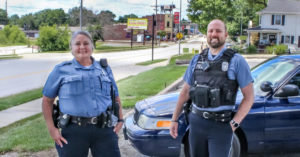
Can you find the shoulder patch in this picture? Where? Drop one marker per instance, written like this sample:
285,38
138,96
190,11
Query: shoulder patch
65,63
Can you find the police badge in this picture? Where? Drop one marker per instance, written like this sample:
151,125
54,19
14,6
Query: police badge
224,66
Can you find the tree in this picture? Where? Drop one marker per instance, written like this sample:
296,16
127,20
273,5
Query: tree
28,22
14,19
96,32
203,11
53,38
106,17
234,12
50,17
3,17
123,19
88,17
162,34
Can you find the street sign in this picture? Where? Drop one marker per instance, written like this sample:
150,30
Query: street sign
179,35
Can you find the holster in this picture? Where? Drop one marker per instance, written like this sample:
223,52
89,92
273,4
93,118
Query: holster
187,110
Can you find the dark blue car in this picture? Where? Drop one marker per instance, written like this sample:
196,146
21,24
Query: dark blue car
272,125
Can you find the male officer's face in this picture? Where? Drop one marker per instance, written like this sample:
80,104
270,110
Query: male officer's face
216,34
81,47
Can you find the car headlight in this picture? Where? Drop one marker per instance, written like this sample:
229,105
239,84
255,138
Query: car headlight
151,123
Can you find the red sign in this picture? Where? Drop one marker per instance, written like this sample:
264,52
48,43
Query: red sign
176,17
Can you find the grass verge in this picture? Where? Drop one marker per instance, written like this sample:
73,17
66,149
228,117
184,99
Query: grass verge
151,62
14,56
31,135
17,99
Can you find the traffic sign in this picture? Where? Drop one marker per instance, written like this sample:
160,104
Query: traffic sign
179,35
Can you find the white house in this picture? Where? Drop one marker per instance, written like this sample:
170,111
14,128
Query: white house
279,23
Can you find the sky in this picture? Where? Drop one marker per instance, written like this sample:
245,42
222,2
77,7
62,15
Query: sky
118,7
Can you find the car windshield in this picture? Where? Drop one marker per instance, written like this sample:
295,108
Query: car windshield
273,71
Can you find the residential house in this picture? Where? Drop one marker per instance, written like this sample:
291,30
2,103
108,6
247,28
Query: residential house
279,23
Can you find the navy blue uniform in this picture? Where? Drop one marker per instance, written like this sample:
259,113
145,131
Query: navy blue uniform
84,92
208,136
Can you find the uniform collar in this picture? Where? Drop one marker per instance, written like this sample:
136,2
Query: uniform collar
210,57
94,65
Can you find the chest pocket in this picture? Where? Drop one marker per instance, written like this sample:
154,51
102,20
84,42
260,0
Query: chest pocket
72,85
105,85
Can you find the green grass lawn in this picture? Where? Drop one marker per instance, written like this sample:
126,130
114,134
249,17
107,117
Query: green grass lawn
31,134
151,62
17,99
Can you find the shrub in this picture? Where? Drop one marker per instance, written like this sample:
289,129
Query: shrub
277,49
53,38
251,49
12,34
238,49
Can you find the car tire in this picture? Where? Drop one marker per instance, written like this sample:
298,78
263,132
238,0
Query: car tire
235,150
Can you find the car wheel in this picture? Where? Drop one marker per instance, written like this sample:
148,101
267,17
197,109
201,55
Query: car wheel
235,150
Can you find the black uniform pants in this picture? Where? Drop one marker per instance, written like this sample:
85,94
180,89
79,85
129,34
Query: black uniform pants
103,142
208,138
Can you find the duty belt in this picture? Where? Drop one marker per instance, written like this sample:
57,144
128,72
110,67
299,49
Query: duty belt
82,121
223,116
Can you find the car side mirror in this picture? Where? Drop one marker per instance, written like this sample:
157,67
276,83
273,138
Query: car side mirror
266,86
288,90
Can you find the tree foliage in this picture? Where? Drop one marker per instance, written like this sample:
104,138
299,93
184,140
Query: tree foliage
53,38
123,19
88,16
3,17
96,32
106,17
234,12
12,34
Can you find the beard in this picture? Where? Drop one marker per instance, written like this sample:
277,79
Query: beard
217,44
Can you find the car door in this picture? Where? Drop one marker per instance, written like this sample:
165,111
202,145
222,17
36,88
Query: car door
282,121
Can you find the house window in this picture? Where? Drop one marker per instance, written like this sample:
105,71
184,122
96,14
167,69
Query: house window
287,39
277,19
168,24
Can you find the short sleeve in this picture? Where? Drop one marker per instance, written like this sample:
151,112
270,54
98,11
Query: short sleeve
52,84
188,76
242,72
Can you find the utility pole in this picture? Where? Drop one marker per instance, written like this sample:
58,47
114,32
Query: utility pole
80,18
179,30
6,8
156,22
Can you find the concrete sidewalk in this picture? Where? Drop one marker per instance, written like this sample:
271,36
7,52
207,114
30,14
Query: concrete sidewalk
31,108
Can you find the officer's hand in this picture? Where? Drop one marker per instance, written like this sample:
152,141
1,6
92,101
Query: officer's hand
56,136
118,127
174,129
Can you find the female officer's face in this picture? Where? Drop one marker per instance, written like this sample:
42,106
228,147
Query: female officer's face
81,47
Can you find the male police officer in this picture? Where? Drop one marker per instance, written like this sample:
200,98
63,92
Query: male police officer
211,82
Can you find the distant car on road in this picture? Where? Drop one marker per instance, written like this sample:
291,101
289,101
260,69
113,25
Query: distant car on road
272,125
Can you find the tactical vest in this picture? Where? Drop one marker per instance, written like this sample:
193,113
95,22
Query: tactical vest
212,87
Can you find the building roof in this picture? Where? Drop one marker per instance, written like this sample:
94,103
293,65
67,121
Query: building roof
263,30
282,6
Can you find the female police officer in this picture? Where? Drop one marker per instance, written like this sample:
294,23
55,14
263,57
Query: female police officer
84,90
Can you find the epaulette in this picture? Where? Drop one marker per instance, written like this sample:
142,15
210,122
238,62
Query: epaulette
65,63
229,53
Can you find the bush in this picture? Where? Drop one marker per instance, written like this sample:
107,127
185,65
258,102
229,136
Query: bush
277,49
251,49
11,34
53,38
238,49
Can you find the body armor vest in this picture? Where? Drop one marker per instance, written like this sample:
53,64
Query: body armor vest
212,87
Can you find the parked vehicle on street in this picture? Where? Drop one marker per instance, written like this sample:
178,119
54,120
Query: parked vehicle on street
272,125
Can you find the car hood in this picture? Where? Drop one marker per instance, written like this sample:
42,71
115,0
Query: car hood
164,105
159,105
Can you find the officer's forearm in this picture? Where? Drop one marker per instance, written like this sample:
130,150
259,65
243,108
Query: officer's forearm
47,107
183,97
120,107
246,103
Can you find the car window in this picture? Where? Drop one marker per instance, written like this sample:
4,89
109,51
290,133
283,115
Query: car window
295,80
272,71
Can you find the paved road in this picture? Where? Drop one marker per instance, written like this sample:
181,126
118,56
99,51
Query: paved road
32,71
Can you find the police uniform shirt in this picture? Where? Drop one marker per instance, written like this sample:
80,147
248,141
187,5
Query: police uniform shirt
82,91
238,70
